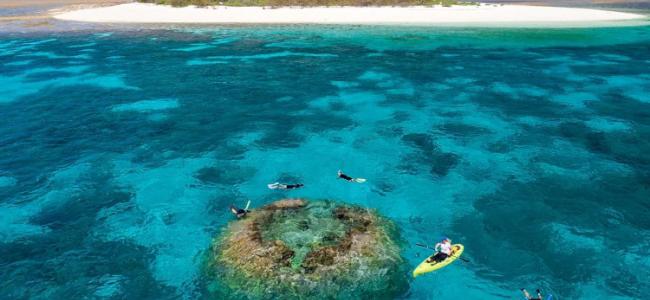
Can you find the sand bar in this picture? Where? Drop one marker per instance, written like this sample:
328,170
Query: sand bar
481,14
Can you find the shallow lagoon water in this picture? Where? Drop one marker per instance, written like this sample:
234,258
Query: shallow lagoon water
122,151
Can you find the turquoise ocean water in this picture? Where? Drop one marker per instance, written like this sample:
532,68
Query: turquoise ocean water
121,151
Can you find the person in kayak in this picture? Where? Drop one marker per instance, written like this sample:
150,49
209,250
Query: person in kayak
529,297
350,179
282,186
443,250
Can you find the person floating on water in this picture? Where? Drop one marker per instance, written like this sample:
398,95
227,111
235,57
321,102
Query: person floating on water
282,186
238,212
350,179
529,297
443,250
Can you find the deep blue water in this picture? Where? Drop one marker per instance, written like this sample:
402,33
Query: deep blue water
120,152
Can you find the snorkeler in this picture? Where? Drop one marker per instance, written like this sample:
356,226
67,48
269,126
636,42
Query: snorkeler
282,186
238,212
350,179
529,297
443,250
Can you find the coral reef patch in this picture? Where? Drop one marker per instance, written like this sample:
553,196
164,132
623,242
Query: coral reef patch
299,249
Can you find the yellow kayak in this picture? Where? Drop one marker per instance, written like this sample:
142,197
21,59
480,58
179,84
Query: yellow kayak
426,267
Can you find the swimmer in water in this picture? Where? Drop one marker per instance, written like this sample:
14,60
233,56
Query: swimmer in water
282,186
350,179
238,212
529,297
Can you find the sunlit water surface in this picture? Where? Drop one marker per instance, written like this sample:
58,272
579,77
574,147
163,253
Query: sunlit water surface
120,152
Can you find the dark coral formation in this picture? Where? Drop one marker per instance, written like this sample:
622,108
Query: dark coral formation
295,249
428,154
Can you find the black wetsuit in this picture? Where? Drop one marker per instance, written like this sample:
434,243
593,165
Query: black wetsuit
294,186
346,177
527,296
438,257
238,212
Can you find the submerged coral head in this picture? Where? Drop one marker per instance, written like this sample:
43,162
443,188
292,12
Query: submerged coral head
294,248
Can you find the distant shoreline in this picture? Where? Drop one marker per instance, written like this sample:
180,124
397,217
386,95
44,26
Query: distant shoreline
34,13
483,14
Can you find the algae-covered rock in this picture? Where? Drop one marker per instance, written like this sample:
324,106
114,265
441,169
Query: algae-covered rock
295,249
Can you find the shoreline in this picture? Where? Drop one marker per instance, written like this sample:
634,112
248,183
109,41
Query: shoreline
20,15
482,15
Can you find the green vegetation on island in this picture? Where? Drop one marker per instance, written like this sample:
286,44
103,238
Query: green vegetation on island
276,3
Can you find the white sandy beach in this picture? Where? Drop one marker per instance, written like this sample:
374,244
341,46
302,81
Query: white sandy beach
482,14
